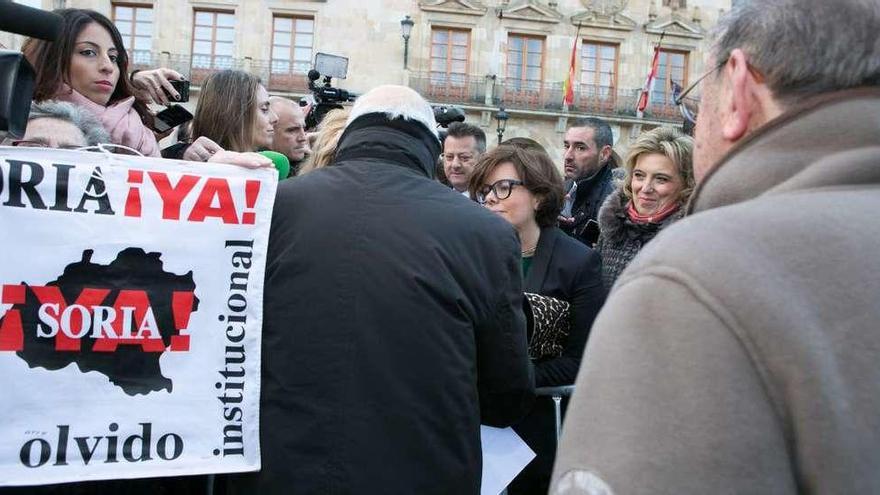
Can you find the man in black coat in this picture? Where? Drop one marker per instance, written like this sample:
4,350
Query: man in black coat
393,324
588,163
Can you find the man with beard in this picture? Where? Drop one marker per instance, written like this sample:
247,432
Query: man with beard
588,164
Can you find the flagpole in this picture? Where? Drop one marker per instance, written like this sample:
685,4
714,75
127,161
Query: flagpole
645,94
568,86
647,89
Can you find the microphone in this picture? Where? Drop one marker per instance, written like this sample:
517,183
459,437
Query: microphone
28,21
282,164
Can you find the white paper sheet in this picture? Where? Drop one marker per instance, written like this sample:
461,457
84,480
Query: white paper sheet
505,454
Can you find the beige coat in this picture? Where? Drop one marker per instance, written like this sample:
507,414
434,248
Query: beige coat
740,352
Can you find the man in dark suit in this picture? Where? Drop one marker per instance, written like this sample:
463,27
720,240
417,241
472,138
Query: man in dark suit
393,319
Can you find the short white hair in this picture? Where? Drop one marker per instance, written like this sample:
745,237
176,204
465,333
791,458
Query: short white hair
395,102
92,128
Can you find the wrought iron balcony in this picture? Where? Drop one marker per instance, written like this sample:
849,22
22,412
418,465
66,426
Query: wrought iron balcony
601,100
453,89
436,87
197,68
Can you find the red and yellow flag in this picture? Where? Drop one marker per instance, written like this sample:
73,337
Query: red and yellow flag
648,88
568,86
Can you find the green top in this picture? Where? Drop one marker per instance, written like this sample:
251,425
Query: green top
526,265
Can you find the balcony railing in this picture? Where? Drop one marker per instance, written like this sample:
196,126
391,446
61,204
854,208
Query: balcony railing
460,90
604,100
534,95
449,88
198,68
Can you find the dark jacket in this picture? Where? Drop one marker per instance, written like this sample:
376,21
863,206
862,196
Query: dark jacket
620,239
392,327
565,269
588,198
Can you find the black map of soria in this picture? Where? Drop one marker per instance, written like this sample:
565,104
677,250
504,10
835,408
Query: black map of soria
129,367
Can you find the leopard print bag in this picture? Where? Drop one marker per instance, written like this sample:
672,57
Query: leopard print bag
549,323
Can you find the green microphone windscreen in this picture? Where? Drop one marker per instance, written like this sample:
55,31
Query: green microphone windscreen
282,164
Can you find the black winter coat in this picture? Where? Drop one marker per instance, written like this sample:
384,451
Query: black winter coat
393,326
567,270
589,196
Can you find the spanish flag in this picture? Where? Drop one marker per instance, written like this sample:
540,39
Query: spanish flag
648,88
568,86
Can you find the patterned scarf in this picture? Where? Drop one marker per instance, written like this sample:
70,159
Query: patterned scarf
655,217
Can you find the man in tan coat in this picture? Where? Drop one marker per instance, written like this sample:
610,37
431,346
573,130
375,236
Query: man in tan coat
740,352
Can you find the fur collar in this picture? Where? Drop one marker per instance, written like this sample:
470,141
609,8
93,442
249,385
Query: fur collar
615,225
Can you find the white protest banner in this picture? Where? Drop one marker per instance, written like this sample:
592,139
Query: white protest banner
131,295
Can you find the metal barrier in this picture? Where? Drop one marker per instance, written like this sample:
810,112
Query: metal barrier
556,393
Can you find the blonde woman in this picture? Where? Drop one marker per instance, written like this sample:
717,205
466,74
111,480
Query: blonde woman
659,181
326,139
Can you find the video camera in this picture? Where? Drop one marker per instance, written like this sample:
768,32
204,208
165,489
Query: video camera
326,96
447,115
17,78
444,116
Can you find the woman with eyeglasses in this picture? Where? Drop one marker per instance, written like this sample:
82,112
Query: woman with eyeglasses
525,188
658,183
87,65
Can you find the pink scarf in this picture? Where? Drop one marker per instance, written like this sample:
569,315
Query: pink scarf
655,217
120,119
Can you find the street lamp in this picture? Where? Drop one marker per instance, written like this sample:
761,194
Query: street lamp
406,25
501,117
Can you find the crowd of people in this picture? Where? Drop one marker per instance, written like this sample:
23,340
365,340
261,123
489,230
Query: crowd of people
417,287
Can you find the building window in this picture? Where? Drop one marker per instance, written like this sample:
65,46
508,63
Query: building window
598,69
525,62
135,24
213,36
672,66
292,41
450,56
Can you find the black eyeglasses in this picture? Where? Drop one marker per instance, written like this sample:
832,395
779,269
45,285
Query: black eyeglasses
689,106
501,189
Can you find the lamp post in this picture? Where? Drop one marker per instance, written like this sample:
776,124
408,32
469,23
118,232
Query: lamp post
406,25
501,118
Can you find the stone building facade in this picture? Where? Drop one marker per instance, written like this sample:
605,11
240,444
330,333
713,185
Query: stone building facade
479,55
